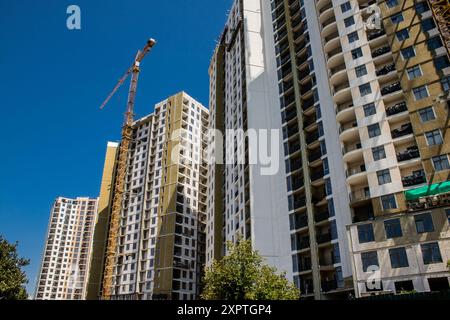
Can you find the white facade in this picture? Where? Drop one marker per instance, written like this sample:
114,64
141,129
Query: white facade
65,262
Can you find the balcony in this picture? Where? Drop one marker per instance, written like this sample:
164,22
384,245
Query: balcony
323,238
314,156
303,243
429,202
312,138
317,176
321,216
380,51
374,35
391,88
414,179
300,221
360,195
410,153
404,130
294,148
330,285
356,170
385,70
303,267
396,109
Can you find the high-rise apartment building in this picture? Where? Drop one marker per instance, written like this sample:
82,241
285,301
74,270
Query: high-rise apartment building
161,241
65,262
361,98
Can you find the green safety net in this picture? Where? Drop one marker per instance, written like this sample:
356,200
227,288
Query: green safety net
427,191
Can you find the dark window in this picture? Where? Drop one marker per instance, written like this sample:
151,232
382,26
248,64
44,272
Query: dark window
374,130
441,163
352,37
369,109
384,177
434,43
349,21
365,233
441,62
424,223
404,286
428,24
361,71
399,258
438,284
369,259
388,202
379,153
402,34
346,6
393,228
431,253
391,3
408,53
357,53
421,7
447,212
427,114
397,18
365,89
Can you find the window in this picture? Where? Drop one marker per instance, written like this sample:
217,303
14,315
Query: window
361,71
447,212
427,114
399,259
352,37
431,253
401,286
393,228
434,43
365,89
428,24
349,21
441,62
391,3
446,83
441,163
384,177
397,18
402,34
374,130
434,137
369,109
369,259
414,72
421,7
357,53
424,223
378,153
346,6
365,233
388,202
408,52
420,92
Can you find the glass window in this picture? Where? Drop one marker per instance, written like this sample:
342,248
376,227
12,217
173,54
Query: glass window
427,114
402,34
374,130
352,37
388,202
431,253
379,153
393,228
441,62
421,7
346,6
361,71
434,43
369,109
414,72
384,177
397,18
408,52
428,24
447,212
424,223
441,163
357,53
420,92
349,21
399,259
434,137
369,259
446,83
365,89
391,3
365,233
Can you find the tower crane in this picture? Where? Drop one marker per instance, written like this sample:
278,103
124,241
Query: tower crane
119,184
441,12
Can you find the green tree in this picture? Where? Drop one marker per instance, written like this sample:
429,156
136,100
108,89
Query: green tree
12,278
241,275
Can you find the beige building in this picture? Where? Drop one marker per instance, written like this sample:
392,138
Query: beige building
161,240
65,262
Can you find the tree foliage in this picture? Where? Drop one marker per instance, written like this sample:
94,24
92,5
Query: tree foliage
12,278
241,275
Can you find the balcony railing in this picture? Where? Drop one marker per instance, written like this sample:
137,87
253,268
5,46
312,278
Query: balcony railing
404,130
350,148
312,137
410,153
356,170
415,179
360,195
315,156
380,51
348,126
323,238
391,88
316,176
425,203
385,70
375,35
395,109
322,216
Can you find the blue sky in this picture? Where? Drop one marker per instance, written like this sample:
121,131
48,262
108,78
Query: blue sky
53,81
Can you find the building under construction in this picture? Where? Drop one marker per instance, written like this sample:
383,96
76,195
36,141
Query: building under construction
159,245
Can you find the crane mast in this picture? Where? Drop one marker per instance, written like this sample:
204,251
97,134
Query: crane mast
441,13
119,191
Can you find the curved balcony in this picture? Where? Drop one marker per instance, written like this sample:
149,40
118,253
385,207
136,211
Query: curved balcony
341,93
345,112
320,5
396,109
377,37
332,42
391,92
414,179
357,175
352,152
335,57
411,153
360,195
326,13
338,74
349,131
404,130
329,26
